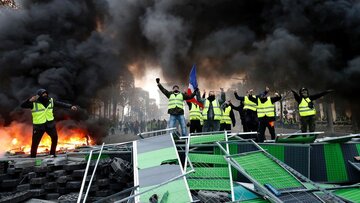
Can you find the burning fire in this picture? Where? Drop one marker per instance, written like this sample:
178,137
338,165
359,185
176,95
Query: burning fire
17,137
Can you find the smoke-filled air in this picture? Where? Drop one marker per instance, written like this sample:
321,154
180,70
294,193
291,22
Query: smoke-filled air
76,49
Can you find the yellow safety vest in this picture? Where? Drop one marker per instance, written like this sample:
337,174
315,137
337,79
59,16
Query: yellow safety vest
304,109
216,107
226,116
41,114
265,109
249,104
176,100
195,113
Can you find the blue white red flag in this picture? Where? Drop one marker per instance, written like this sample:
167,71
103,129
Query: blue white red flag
193,85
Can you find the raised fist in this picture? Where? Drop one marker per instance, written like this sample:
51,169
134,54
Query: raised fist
158,80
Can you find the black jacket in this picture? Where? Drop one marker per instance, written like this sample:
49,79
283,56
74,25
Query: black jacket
29,105
298,97
176,110
240,109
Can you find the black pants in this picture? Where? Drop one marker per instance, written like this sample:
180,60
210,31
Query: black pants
195,126
307,121
38,132
224,126
251,121
266,123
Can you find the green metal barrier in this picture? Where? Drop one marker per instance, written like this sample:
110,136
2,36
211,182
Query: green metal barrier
335,164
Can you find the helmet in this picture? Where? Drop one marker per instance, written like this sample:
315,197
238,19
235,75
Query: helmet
41,91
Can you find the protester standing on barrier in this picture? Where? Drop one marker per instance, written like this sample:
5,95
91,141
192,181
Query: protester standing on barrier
176,105
195,117
249,110
307,108
228,117
212,113
240,109
266,114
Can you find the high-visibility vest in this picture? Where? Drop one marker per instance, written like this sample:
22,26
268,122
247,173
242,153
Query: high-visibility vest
248,104
41,114
226,116
176,100
216,108
265,109
304,109
195,113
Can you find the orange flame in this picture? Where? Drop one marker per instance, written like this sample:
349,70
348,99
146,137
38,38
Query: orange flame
17,138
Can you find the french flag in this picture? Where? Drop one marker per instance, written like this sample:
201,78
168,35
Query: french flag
192,86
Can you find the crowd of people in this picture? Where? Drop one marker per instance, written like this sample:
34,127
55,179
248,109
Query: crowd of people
257,112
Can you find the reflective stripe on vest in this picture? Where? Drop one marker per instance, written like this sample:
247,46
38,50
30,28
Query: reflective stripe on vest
195,113
41,114
226,116
249,104
176,100
216,108
265,109
304,109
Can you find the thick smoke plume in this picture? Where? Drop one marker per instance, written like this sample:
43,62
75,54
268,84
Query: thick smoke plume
283,44
58,44
54,45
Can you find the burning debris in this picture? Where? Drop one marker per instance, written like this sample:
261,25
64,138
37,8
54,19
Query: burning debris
17,139
60,178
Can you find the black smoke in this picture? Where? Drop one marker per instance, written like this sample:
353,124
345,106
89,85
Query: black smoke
57,45
283,44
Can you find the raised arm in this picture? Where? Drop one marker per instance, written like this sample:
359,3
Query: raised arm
296,96
276,98
253,99
222,98
317,96
162,89
27,104
199,98
238,97
187,97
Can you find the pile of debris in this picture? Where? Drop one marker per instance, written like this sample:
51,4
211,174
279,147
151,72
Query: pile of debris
61,177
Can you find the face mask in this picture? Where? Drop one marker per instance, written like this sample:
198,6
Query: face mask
176,91
211,97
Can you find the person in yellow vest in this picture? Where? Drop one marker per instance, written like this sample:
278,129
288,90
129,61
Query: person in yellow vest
307,108
266,114
42,106
249,110
211,113
228,117
176,105
195,117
